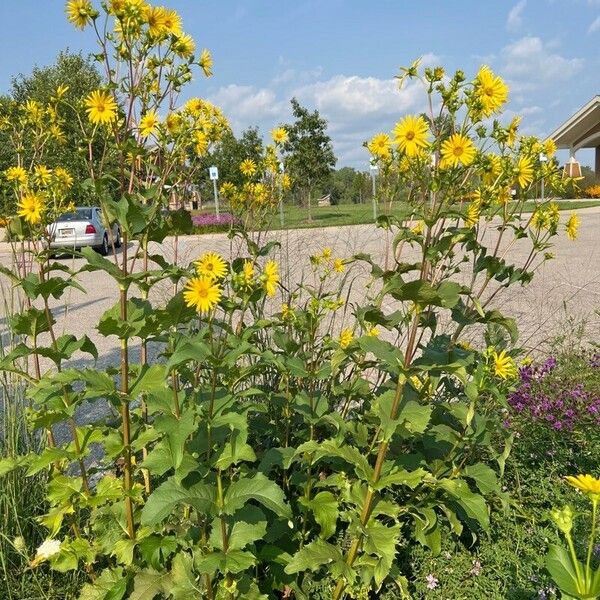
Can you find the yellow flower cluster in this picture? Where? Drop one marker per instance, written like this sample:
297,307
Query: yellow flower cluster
325,259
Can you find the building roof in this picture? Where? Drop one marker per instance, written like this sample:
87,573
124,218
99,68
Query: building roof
582,130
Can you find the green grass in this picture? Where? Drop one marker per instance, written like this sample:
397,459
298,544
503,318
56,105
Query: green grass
296,217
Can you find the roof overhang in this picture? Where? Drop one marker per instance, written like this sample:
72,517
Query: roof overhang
582,130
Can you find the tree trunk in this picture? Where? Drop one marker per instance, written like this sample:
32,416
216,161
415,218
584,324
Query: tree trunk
309,206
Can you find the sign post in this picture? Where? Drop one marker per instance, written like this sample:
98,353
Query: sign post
213,173
374,170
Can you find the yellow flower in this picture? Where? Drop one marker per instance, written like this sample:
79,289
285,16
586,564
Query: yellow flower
173,122
411,135
148,124
549,147
286,312
286,182
373,332
248,273
279,135
504,366
206,62
572,226
101,107
491,89
42,174
211,265
512,130
18,174
524,172
271,277
57,133
326,253
492,169
338,265
472,216
202,293
172,22
587,484
345,338
458,149
31,206
465,346
380,145
201,140
155,17
61,90
416,383
227,189
248,167
418,228
540,219
63,177
80,12
184,46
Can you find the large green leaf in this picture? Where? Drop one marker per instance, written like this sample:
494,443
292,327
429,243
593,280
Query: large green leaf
234,561
110,585
380,541
325,510
171,494
473,504
312,556
484,477
148,584
182,576
561,569
257,488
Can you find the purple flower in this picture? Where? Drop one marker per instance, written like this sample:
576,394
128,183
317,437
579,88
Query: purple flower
211,220
432,582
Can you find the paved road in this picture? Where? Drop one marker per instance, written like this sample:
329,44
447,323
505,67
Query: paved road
563,292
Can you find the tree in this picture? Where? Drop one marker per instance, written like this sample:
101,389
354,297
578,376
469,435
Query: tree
81,77
227,156
310,153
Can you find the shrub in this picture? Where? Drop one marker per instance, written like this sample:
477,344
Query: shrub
267,452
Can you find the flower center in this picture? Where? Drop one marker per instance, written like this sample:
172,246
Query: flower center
458,150
410,135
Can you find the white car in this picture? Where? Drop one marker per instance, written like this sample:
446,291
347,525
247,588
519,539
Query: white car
83,227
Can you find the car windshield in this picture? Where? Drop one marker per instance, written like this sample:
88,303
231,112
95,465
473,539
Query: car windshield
79,214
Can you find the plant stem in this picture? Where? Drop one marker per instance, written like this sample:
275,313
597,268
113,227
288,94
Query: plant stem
588,571
125,416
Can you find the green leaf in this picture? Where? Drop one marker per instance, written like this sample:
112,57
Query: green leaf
148,584
561,569
235,561
398,476
473,504
325,509
258,488
331,449
182,576
171,494
390,356
193,348
380,541
177,432
110,585
484,477
312,556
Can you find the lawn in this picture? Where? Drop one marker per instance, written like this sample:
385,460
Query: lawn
295,217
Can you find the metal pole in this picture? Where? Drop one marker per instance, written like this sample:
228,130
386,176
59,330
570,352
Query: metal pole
374,200
216,197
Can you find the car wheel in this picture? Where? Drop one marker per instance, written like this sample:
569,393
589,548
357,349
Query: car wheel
118,241
103,249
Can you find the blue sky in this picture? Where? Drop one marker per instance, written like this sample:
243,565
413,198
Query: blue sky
340,56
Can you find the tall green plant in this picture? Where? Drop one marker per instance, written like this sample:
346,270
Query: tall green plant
266,452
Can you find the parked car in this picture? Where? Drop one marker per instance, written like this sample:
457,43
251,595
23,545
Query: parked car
83,227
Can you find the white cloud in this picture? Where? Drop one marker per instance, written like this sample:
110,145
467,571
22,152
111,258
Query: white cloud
595,26
515,18
355,107
529,64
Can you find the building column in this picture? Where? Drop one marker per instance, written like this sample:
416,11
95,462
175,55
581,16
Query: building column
597,162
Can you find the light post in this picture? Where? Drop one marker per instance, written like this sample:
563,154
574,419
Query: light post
543,160
213,173
374,170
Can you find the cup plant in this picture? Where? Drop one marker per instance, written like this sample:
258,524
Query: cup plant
574,578
271,451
